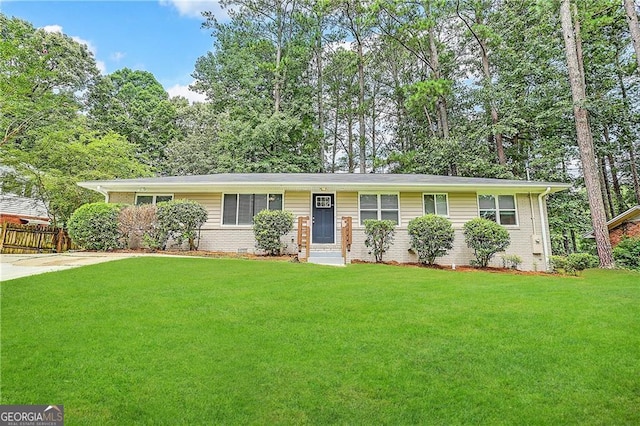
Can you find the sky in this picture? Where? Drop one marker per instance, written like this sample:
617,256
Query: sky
163,37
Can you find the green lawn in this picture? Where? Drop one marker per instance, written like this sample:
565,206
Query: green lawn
205,341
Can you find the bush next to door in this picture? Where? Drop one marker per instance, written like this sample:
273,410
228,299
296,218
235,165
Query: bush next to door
486,238
431,237
95,226
268,228
380,234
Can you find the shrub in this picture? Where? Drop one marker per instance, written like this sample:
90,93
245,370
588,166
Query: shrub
573,263
581,261
486,238
431,237
627,253
511,261
380,234
179,220
94,226
268,228
135,223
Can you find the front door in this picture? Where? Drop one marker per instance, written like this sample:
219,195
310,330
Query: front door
323,222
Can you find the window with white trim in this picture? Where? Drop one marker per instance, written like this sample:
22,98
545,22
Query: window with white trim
239,209
499,208
436,204
152,198
379,207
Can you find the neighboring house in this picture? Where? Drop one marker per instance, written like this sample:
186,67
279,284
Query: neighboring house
626,224
233,199
17,209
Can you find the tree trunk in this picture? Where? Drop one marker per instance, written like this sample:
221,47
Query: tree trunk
362,129
321,145
606,190
441,103
634,28
350,158
585,140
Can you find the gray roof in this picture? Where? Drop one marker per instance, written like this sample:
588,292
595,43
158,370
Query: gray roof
316,181
22,206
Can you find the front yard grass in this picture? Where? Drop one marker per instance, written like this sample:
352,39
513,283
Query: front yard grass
213,341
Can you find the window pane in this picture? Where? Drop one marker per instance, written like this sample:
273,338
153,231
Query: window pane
507,217
144,199
390,215
506,202
275,201
368,201
161,198
229,213
388,201
259,203
245,209
488,214
441,207
486,202
367,214
429,204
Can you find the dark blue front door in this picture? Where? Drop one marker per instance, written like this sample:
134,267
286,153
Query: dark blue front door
323,223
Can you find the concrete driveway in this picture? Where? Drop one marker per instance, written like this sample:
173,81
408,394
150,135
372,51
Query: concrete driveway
23,265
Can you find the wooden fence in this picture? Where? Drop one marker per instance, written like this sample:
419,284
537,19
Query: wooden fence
19,239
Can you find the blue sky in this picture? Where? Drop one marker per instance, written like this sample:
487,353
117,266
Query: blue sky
160,36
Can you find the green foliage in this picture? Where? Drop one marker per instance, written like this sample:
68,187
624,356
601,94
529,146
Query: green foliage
574,263
95,226
179,220
511,261
431,237
486,238
269,226
627,253
135,104
62,155
380,235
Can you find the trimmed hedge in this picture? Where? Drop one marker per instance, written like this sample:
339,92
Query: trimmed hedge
380,235
486,238
268,228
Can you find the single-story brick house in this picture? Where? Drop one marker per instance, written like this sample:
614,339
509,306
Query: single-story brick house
337,204
626,224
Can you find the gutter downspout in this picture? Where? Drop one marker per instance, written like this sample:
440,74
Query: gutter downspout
544,227
103,192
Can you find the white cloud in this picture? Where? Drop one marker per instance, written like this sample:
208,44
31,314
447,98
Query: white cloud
52,29
117,56
184,91
194,8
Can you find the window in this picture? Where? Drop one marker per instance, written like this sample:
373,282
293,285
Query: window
436,204
152,199
499,208
239,209
379,206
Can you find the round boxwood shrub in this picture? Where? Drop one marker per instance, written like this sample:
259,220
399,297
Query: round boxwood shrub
268,228
431,237
486,238
627,253
94,226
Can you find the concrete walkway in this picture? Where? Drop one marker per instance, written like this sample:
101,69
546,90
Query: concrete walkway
23,265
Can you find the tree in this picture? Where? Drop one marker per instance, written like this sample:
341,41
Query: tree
584,137
42,76
133,104
634,27
63,155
